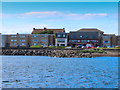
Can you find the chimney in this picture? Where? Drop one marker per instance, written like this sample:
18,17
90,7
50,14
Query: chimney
45,28
33,28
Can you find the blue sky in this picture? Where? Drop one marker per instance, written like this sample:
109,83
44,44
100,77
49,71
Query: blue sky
21,17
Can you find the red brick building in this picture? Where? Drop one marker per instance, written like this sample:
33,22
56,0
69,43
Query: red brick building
45,29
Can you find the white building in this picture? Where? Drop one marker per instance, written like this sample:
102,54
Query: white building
61,39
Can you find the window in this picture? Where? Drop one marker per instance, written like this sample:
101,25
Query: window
58,35
78,40
14,44
35,44
83,41
13,40
22,40
44,36
106,41
106,37
64,35
22,36
35,35
44,40
13,36
93,41
81,36
35,40
43,44
22,43
61,40
73,40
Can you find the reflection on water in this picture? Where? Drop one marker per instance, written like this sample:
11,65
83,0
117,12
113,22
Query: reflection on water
48,72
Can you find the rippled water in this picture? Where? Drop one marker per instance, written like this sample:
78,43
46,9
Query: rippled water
48,72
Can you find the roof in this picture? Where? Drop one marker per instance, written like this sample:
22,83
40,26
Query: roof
90,29
54,30
108,34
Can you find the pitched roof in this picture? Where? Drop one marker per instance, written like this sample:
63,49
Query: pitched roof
90,29
54,30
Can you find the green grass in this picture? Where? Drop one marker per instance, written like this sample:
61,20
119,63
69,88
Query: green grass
37,46
92,51
59,47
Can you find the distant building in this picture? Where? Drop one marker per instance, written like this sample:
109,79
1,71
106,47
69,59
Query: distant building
18,40
45,29
42,39
85,36
61,39
109,40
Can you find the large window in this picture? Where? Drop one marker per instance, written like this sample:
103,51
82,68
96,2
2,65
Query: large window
61,40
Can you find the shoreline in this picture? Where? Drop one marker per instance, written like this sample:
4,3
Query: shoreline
61,53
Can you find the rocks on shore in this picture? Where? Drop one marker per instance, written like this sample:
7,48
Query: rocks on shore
51,53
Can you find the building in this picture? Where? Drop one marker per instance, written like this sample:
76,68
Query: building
118,40
18,40
86,37
45,29
109,40
42,40
61,39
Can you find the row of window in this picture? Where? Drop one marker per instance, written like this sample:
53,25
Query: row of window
43,40
41,36
23,40
24,36
60,35
14,40
37,44
83,41
16,44
19,36
25,44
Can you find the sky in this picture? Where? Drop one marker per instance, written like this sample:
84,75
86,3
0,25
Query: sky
22,17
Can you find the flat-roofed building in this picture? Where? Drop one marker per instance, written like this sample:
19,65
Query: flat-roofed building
61,39
109,40
46,29
19,40
42,39
85,36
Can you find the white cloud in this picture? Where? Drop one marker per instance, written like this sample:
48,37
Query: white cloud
56,14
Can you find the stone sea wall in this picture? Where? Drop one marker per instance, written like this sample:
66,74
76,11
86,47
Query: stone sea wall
58,53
